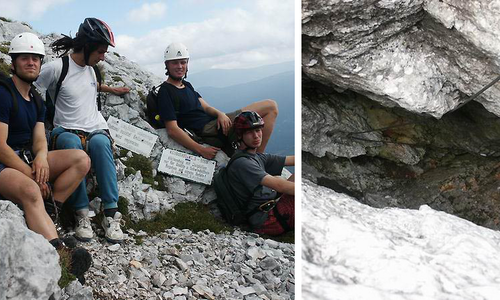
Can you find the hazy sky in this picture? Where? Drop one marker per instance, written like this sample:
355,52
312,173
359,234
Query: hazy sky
218,33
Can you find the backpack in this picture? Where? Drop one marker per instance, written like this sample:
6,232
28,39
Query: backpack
232,208
15,106
152,112
51,103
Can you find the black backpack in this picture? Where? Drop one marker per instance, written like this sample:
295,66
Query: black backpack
152,113
232,208
51,103
15,106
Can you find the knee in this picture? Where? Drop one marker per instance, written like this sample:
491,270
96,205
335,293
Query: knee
272,107
30,194
68,140
99,141
82,162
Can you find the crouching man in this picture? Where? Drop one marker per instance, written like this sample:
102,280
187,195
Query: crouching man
256,178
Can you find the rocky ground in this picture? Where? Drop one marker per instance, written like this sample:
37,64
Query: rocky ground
179,264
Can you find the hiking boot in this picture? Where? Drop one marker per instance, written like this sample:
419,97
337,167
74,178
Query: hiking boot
112,230
79,261
83,229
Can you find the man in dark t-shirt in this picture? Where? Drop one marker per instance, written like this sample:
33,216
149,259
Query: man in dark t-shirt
256,179
182,107
26,166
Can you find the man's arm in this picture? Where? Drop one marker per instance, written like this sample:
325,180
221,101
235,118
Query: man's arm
8,157
290,160
120,90
181,137
279,184
223,120
40,167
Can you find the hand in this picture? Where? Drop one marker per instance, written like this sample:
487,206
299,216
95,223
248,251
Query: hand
208,152
120,90
40,169
224,122
45,190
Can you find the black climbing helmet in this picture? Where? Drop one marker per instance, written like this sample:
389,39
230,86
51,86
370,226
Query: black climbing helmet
96,31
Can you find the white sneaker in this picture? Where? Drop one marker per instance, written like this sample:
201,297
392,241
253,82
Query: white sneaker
113,232
83,229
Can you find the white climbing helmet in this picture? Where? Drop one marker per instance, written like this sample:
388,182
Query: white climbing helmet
176,51
26,42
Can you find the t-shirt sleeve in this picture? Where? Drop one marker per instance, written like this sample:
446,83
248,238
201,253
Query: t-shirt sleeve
248,172
46,79
191,86
5,105
165,105
41,115
274,164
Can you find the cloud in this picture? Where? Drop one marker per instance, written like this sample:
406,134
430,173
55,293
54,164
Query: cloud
258,35
147,11
27,10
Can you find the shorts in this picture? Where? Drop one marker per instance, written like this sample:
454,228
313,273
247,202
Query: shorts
2,166
214,137
286,208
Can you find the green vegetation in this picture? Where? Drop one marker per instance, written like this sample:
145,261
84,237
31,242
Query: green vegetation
4,49
4,68
142,97
65,263
117,78
5,19
139,163
138,81
193,216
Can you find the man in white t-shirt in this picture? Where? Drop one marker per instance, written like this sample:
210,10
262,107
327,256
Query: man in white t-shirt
78,124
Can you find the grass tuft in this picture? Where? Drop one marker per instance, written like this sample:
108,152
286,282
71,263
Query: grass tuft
4,68
193,216
65,263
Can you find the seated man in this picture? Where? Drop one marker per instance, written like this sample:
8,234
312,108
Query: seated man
257,179
80,125
26,167
180,106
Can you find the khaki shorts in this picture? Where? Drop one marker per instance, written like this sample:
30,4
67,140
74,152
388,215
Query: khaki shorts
210,135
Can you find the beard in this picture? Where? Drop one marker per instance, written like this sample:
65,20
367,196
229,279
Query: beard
27,78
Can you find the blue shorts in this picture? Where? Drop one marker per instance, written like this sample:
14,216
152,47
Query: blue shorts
2,166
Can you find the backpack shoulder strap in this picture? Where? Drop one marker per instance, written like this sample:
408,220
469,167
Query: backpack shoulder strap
236,156
99,81
173,95
15,106
64,72
38,99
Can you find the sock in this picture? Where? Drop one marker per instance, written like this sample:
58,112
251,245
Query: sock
110,212
56,243
82,212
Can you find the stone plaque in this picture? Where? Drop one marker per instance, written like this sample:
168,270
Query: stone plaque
131,137
187,166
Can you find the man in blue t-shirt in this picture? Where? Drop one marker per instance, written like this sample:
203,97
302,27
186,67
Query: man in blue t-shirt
26,166
181,107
